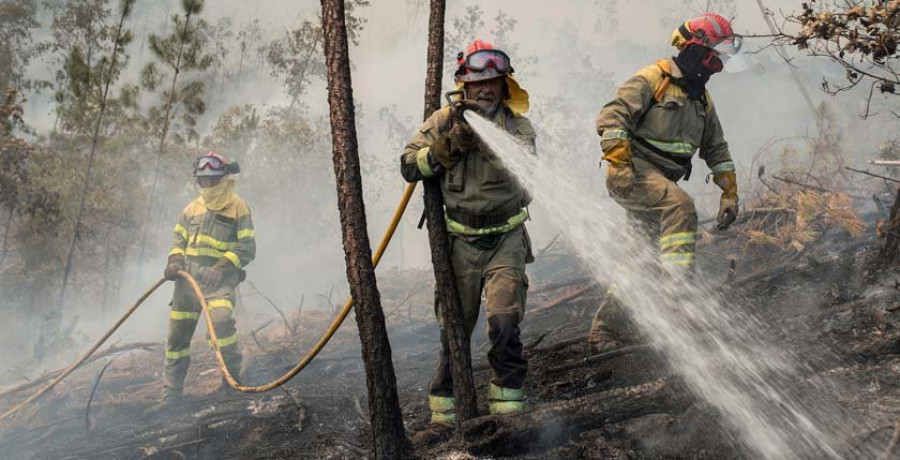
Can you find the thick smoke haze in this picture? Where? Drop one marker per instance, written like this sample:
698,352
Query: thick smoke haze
569,54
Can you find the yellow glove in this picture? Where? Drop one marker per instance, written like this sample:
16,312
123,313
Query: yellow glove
619,153
620,175
728,204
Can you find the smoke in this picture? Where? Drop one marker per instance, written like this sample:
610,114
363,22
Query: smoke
568,54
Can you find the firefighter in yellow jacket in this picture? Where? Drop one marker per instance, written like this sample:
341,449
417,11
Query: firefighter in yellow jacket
485,215
650,131
213,241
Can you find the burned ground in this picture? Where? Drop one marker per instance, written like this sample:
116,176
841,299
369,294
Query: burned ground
828,303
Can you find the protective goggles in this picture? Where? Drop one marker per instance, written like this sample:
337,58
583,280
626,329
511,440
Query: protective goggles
482,59
210,166
209,162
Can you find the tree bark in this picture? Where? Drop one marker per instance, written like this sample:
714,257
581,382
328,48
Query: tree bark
390,439
446,291
9,223
890,252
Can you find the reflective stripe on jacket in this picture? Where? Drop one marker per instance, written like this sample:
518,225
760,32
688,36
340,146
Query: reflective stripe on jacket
675,125
205,236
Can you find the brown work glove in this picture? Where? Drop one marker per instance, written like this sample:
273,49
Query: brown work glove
173,265
728,204
440,150
211,277
462,139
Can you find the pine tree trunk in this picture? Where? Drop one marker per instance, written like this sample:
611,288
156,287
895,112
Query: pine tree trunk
890,252
446,291
390,439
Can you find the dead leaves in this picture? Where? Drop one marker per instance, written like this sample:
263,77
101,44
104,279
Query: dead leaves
814,214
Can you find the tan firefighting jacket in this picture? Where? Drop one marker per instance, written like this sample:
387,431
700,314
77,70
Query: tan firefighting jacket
205,236
665,132
480,195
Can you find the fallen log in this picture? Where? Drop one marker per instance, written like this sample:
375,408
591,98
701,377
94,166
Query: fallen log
566,297
559,285
553,424
110,350
600,357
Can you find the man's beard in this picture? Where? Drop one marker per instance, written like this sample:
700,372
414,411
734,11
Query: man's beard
487,108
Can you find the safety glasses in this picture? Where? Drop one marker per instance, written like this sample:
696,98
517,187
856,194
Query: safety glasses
482,59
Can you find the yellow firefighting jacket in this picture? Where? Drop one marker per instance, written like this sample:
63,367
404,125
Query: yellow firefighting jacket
480,195
666,132
205,236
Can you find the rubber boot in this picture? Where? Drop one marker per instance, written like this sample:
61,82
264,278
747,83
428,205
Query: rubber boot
172,398
443,419
503,401
225,390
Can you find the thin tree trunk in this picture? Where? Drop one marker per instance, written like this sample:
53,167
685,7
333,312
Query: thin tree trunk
95,140
890,252
162,139
86,186
446,290
389,436
9,223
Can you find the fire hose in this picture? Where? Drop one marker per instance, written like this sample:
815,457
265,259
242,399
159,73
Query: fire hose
220,361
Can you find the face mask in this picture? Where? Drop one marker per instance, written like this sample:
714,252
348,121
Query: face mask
692,63
218,196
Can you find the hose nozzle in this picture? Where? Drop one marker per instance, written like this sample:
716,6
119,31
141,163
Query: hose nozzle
459,106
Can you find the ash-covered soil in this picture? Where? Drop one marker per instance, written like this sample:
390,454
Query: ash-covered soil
827,303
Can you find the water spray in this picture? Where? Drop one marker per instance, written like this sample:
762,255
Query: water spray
718,349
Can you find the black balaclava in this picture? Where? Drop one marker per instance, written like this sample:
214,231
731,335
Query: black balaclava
695,74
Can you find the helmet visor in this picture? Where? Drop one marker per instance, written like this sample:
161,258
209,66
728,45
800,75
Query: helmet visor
730,46
482,59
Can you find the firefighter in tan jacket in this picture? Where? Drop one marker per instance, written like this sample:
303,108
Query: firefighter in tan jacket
649,132
485,216
213,241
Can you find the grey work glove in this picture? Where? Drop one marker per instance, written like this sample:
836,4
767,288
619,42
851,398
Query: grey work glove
173,265
620,179
211,277
728,211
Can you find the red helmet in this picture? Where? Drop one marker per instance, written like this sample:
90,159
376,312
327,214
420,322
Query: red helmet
482,62
709,30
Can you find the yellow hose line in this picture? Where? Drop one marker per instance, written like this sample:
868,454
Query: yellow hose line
87,355
335,325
